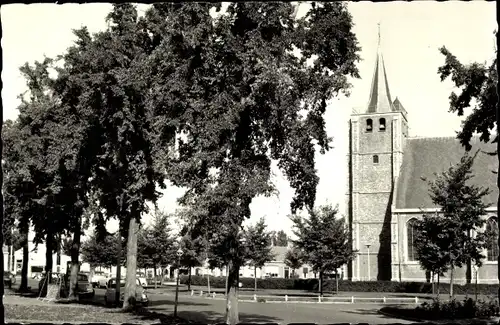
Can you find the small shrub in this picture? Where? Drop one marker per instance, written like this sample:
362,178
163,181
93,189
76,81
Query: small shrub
261,300
455,309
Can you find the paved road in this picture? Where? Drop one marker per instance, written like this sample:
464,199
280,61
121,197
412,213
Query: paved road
212,311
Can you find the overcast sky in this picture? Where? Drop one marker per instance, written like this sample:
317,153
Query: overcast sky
411,34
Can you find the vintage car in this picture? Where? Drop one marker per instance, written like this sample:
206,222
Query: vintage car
110,296
85,290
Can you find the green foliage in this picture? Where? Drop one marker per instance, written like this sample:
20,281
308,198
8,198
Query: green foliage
155,242
240,98
280,238
101,252
293,259
323,239
443,240
258,244
454,309
478,89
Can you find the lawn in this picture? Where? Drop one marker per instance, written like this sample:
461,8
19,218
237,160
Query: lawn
31,309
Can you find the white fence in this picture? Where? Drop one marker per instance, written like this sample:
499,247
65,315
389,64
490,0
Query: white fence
318,299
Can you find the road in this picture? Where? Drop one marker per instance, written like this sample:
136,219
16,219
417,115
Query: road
205,310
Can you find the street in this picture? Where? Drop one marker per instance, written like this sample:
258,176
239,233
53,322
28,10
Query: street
205,310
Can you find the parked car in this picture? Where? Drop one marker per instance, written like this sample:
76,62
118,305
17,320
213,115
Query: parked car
85,290
110,299
8,279
99,279
142,279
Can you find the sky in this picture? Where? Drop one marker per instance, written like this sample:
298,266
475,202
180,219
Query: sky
411,34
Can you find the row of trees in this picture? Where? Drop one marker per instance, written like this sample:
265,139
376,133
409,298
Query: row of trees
184,93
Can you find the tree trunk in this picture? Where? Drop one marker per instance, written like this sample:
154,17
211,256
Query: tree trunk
48,262
26,252
9,259
91,273
232,317
155,277
208,281
189,278
75,264
432,279
438,287
255,277
468,271
336,282
451,282
320,282
118,267
129,299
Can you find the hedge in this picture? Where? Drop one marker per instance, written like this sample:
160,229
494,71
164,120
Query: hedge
344,285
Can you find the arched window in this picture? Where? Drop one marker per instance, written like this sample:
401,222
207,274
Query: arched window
492,243
411,233
375,159
369,125
381,124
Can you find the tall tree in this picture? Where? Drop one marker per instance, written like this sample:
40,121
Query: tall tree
258,250
193,249
324,240
155,244
106,74
280,238
463,210
478,84
240,98
293,259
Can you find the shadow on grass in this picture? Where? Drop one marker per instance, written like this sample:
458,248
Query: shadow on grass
207,317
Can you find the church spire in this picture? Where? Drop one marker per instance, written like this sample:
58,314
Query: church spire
380,97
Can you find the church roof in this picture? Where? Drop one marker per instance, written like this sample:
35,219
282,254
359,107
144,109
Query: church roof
380,96
425,156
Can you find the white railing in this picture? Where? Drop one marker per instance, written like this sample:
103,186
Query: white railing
318,299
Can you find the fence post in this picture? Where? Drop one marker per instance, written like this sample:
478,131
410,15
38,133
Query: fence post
201,293
286,297
352,299
384,300
192,292
255,297
416,300
319,298
213,295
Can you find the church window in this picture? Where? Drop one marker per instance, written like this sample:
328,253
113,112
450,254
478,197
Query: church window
411,233
375,159
382,124
369,125
492,244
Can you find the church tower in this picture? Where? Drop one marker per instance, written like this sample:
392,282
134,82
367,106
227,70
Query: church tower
376,141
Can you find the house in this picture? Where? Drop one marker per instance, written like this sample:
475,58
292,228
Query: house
386,193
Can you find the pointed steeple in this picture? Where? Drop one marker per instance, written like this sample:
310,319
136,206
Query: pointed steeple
380,97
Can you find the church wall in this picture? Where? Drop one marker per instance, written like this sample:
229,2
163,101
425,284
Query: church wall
370,177
372,207
411,270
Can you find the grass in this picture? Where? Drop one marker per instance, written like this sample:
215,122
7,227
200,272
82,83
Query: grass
53,312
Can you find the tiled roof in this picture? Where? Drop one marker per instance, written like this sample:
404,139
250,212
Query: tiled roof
279,253
425,156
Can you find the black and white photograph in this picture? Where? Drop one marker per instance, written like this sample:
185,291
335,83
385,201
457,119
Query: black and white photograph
321,162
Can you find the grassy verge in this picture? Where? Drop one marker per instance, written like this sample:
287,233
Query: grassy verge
84,314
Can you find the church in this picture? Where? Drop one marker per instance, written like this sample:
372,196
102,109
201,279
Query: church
386,192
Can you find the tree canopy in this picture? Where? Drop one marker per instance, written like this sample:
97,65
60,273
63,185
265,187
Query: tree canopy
323,239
